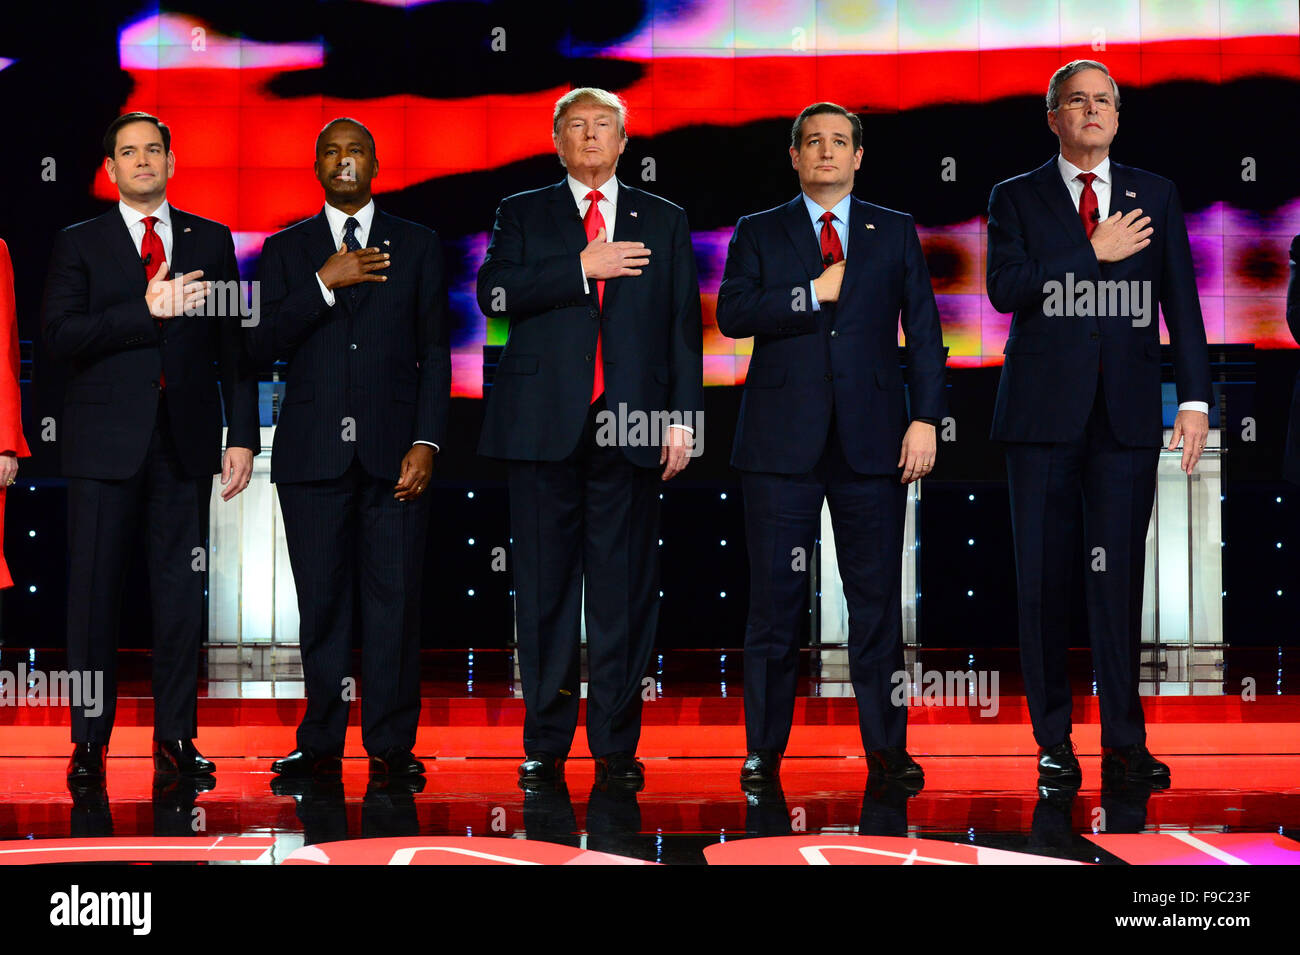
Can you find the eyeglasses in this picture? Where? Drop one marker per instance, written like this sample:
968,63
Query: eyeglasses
1102,101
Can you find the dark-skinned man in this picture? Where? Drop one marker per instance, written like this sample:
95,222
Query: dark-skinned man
354,302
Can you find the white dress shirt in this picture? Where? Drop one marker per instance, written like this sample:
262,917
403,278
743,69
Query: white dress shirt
841,224
135,225
1101,187
338,222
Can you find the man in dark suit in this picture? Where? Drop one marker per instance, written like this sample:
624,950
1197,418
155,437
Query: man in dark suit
820,283
141,429
1082,250
1291,465
354,301
599,282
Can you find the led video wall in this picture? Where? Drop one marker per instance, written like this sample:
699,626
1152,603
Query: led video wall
459,98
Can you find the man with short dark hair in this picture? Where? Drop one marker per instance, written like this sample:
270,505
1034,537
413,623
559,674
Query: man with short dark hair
1079,406
820,284
354,300
598,280
141,430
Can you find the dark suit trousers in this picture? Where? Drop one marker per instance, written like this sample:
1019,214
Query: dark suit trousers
592,515
1111,488
171,511
782,518
351,541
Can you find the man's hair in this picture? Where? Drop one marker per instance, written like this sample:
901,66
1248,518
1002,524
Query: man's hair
1065,72
347,119
590,94
110,137
796,131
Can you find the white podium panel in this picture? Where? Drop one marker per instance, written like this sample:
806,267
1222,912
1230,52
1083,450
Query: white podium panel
1183,582
251,596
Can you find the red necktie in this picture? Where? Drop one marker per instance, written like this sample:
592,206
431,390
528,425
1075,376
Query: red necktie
153,256
593,222
1088,203
832,251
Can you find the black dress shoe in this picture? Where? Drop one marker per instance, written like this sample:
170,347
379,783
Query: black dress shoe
620,769
87,762
1058,766
178,757
762,766
893,763
305,762
1134,763
396,761
541,769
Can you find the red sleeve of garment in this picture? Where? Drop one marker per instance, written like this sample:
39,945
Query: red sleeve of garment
11,424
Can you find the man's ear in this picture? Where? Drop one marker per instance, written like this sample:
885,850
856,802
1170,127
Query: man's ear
110,167
1051,121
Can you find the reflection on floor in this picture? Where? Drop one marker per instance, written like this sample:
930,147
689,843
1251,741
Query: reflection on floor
687,806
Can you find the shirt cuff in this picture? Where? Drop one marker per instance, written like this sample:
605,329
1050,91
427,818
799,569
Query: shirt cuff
429,443
1202,406
929,421
689,430
586,289
816,305
329,296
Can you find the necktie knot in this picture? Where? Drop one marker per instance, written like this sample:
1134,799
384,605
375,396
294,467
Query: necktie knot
148,223
595,196
1086,178
828,217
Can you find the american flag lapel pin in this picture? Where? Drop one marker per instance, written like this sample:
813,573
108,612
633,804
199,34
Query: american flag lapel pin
871,225
386,242
187,228
1130,193
632,213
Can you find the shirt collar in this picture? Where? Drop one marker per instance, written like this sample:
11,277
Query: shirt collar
1069,170
131,216
608,189
840,209
337,218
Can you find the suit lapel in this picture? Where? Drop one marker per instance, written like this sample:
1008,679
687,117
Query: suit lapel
1121,185
861,242
320,240
799,227
123,248
1051,187
182,245
567,222
627,228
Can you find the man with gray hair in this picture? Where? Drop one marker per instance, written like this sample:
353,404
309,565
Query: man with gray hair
1079,406
598,281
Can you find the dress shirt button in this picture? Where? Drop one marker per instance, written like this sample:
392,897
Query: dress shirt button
1094,335
590,356
834,333
353,346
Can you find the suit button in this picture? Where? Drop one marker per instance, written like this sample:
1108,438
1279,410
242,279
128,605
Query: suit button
590,356
1094,335
154,383
834,333
353,346
828,376
595,312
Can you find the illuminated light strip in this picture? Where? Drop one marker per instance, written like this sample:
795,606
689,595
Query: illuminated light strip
1201,845
6,62
404,856
815,855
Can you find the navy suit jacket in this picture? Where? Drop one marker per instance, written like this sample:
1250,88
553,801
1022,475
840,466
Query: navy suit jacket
1049,376
381,365
95,320
650,323
843,356
1291,467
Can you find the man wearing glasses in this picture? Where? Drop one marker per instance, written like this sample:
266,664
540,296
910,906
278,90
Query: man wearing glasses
1082,250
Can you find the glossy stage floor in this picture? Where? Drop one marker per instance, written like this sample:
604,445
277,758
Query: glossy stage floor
1226,721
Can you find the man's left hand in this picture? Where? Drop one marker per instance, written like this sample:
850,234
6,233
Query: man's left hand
1193,427
919,449
236,471
417,468
676,451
